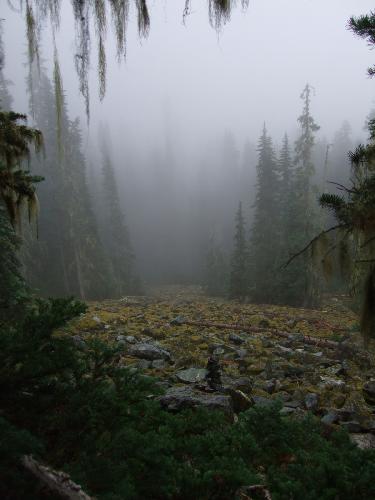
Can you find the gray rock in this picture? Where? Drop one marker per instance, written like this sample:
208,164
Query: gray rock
236,339
192,375
179,398
244,384
311,401
330,418
158,364
178,320
262,402
219,351
363,441
241,353
287,410
284,352
332,383
369,392
352,426
240,401
317,354
292,404
130,339
143,364
120,338
149,352
272,385
267,343
294,371
79,342
369,425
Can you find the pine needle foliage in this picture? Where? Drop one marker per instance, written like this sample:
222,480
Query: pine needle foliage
364,27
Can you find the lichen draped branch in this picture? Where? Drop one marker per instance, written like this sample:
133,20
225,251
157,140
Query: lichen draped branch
38,11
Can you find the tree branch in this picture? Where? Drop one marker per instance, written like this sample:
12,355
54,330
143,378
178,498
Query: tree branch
311,242
57,482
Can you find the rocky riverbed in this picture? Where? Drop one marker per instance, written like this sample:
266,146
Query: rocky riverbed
308,360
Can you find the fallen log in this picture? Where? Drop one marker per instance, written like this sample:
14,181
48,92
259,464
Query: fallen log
247,492
306,339
57,482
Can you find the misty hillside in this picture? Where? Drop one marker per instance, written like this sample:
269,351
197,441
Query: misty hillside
187,248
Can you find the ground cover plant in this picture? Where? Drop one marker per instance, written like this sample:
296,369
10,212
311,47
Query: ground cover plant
77,408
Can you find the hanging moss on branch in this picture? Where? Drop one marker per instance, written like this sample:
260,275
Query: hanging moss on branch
37,12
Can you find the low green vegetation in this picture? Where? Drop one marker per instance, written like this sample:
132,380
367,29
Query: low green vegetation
77,410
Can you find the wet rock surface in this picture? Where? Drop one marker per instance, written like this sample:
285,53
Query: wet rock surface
234,368
148,351
178,398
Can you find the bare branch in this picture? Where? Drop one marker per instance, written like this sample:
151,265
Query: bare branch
311,242
59,483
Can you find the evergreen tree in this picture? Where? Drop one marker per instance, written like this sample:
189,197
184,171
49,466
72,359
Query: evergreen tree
5,96
115,234
364,27
238,284
285,284
67,258
13,290
215,282
17,186
303,221
265,231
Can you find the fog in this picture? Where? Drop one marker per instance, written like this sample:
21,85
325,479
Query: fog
184,112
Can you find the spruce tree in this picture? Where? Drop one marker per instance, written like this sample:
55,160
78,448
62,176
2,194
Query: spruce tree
303,220
67,258
215,281
285,277
115,234
238,284
265,230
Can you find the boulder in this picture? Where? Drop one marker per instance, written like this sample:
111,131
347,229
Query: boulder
262,402
352,426
149,352
236,339
178,320
240,401
363,441
79,342
158,364
311,401
192,375
369,392
180,398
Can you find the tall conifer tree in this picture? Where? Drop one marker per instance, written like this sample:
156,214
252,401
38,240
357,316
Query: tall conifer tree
216,270
264,238
238,285
67,258
115,234
303,220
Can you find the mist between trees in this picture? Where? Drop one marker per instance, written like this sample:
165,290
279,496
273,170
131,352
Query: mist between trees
107,225
120,213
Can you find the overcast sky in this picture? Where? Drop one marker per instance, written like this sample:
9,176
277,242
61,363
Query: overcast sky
205,83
